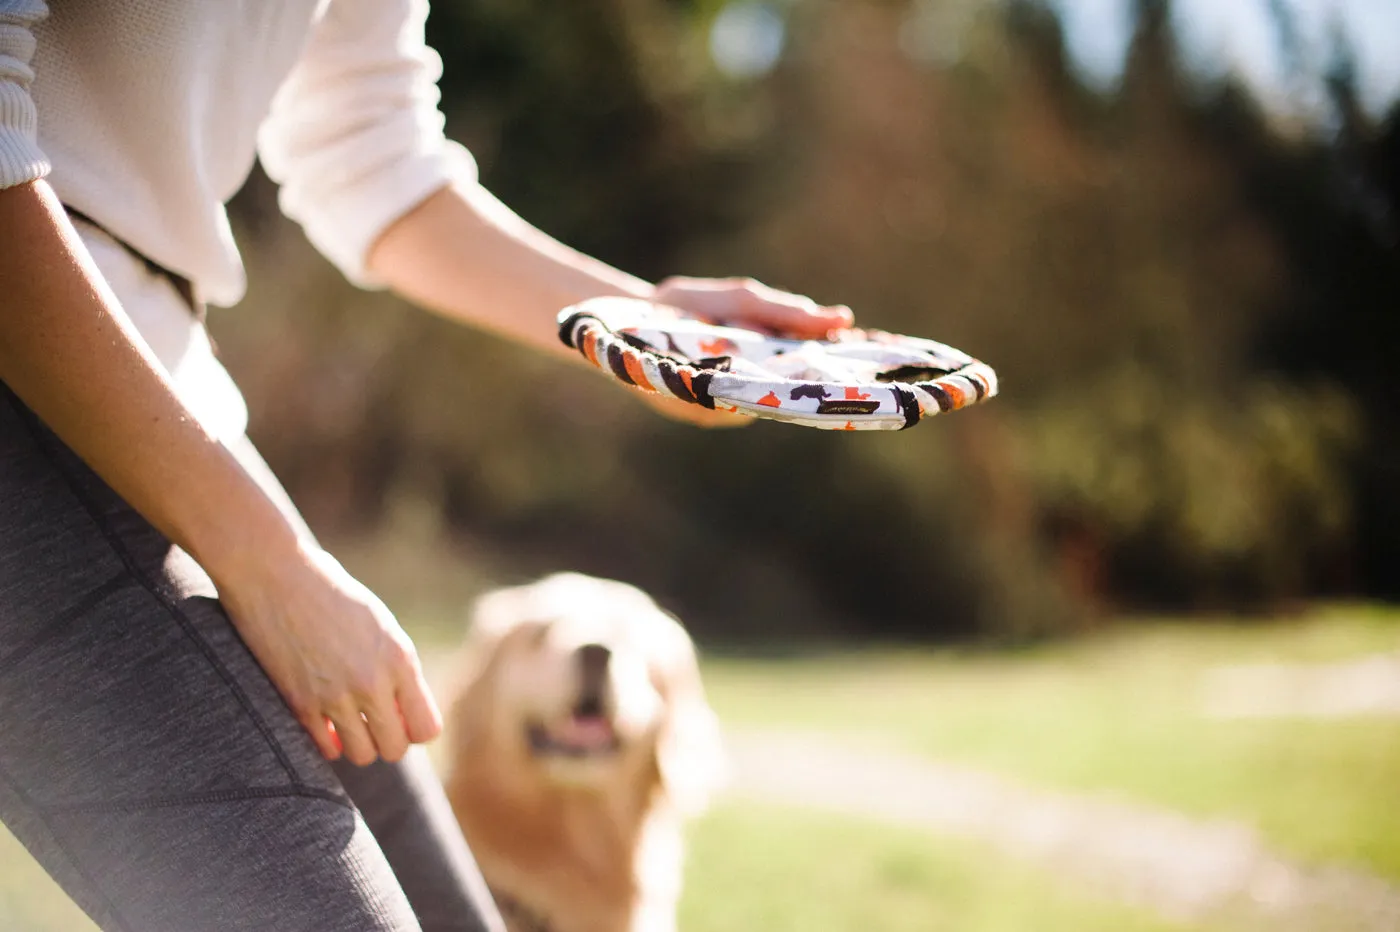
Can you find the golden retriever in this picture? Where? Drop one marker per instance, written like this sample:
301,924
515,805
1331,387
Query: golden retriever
578,740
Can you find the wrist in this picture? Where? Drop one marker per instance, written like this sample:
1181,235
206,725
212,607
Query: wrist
254,549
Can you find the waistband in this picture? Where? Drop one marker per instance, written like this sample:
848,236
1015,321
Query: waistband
182,285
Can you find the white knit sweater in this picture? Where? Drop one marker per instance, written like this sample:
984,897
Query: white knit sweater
146,115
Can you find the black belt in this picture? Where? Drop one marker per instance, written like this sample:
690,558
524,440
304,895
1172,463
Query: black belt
182,285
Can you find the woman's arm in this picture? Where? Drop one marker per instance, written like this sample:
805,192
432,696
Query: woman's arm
464,254
354,139
68,350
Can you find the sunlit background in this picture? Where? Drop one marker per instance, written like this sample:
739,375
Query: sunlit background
1112,652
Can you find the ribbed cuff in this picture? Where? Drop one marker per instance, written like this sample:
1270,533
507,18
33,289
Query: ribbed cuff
21,160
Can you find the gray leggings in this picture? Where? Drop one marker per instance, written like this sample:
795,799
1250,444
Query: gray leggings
148,763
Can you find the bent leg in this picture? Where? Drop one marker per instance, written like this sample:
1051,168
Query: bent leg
145,759
406,808
409,814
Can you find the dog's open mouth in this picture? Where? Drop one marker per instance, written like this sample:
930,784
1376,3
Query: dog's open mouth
585,733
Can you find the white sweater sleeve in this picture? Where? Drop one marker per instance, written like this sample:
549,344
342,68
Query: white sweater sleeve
20,158
354,136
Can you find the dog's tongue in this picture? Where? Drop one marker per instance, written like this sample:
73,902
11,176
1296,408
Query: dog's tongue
586,731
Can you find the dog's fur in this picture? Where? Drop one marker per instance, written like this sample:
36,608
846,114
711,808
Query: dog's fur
579,738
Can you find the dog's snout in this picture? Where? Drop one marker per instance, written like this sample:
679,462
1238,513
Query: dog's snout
593,662
593,659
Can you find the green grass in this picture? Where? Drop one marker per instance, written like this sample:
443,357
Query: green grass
754,867
785,870
1119,713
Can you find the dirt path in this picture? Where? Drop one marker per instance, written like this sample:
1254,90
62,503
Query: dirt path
1182,868
1361,686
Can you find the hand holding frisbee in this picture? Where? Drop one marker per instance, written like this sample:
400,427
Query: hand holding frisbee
855,379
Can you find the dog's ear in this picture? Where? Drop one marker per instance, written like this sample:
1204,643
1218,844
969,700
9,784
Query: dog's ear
492,619
495,614
690,756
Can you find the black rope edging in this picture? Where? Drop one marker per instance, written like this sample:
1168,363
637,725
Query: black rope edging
618,366
977,385
909,404
700,382
671,376
568,328
945,401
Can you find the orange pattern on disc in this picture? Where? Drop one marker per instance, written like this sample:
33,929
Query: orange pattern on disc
770,400
633,364
590,348
855,394
718,347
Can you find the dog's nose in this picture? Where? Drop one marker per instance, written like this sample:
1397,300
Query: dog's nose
593,660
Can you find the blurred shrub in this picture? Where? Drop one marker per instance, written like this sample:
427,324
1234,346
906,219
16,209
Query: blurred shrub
1235,494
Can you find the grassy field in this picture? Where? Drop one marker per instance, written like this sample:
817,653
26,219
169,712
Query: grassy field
781,871
1117,713
1120,713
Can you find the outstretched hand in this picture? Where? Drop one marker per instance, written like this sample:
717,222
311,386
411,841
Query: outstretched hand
741,302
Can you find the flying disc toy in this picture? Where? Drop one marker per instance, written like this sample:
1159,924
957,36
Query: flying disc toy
857,380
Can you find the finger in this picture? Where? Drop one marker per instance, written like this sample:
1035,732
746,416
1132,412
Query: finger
386,727
319,728
354,736
421,717
845,318
793,314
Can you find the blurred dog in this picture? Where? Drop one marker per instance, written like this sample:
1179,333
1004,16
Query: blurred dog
579,739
